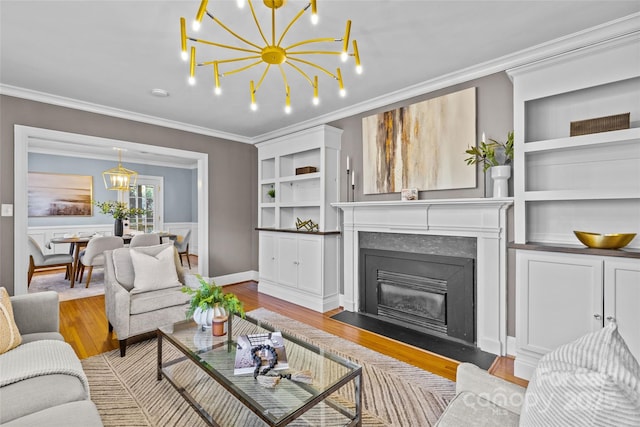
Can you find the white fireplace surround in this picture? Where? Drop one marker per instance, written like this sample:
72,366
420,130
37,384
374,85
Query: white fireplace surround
485,219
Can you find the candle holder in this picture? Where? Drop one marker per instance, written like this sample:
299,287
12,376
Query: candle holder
348,173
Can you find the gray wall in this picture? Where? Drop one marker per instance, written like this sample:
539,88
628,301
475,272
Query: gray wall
232,177
494,117
178,187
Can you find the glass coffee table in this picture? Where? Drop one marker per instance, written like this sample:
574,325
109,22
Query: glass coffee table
201,368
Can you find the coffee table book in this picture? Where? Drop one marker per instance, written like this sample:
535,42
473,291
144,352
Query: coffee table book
244,357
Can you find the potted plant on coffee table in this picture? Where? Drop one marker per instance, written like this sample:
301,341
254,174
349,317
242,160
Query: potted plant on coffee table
210,306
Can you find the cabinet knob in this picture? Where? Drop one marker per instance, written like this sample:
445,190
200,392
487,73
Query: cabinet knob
611,318
597,316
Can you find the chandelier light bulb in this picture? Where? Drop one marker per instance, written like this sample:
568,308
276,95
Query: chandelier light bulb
184,55
359,69
344,56
314,12
254,106
195,26
343,93
314,18
217,91
287,109
192,81
316,100
240,4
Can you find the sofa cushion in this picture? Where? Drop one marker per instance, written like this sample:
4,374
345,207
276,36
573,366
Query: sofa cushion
593,381
468,410
154,272
9,333
123,266
39,336
81,413
145,302
38,393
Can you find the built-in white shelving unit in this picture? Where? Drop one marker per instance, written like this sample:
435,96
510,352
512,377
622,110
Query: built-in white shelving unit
563,183
296,265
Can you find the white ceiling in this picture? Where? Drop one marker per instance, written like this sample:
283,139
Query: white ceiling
110,54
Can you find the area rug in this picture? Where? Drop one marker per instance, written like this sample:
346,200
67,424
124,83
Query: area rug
57,282
127,393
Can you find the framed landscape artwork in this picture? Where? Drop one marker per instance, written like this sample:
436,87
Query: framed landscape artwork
53,194
420,146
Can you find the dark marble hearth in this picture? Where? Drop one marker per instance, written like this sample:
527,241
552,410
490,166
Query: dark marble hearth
441,346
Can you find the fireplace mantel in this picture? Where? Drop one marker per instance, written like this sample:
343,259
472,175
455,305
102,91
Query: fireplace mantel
482,218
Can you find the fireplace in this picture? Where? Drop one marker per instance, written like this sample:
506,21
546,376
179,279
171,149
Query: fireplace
483,220
429,293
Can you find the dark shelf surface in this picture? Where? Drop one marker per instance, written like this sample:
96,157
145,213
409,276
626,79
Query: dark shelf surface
293,230
438,345
575,249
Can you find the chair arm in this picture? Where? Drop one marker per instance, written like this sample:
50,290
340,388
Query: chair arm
39,312
496,390
117,299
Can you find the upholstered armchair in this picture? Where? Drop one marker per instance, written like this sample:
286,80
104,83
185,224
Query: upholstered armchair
93,255
143,290
146,239
183,247
38,260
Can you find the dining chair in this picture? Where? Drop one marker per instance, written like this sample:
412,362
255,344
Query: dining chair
93,255
38,260
182,245
146,239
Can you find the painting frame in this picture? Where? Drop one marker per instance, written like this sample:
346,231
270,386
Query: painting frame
421,145
59,195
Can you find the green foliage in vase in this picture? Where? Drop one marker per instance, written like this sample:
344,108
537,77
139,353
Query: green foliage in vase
118,210
208,295
486,153
272,193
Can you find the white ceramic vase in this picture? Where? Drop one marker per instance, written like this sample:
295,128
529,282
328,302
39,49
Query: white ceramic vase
203,318
500,176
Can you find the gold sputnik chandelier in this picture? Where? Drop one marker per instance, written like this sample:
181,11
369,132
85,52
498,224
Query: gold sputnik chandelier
271,54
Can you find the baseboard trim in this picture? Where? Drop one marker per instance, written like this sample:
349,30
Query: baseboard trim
230,279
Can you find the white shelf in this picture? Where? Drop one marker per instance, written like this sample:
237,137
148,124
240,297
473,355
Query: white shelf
618,136
580,195
303,177
313,204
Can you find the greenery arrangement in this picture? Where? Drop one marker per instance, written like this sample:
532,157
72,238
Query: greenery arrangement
486,153
272,193
118,210
208,295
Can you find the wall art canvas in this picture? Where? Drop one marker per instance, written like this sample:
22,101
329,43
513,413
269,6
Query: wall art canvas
52,194
420,146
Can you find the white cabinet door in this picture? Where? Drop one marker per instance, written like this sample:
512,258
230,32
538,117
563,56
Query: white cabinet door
310,264
622,299
268,261
288,260
560,299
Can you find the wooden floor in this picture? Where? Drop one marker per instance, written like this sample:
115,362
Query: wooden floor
83,324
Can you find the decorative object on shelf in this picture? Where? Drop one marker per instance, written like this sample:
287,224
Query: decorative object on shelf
308,225
209,296
119,211
306,169
353,186
404,148
56,194
119,178
348,172
409,194
604,241
268,52
496,156
600,124
272,193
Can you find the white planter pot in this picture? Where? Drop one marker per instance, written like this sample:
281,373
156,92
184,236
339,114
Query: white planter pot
500,176
205,318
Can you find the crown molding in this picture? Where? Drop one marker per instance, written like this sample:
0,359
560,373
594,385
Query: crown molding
61,101
622,27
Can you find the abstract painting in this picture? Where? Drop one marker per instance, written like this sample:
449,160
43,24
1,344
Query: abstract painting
52,194
420,146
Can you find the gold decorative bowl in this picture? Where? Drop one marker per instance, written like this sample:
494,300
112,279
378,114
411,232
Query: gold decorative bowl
604,241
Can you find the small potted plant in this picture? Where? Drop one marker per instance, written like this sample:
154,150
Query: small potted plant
119,211
210,306
496,156
272,193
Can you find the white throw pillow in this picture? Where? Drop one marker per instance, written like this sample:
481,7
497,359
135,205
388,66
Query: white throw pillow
153,272
593,381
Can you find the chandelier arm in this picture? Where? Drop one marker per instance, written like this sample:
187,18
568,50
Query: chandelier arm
273,26
225,46
314,52
322,40
284,77
222,61
264,74
217,21
246,67
311,64
290,24
255,18
298,69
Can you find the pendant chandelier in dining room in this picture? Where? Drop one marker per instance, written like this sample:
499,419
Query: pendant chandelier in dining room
119,178
269,52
